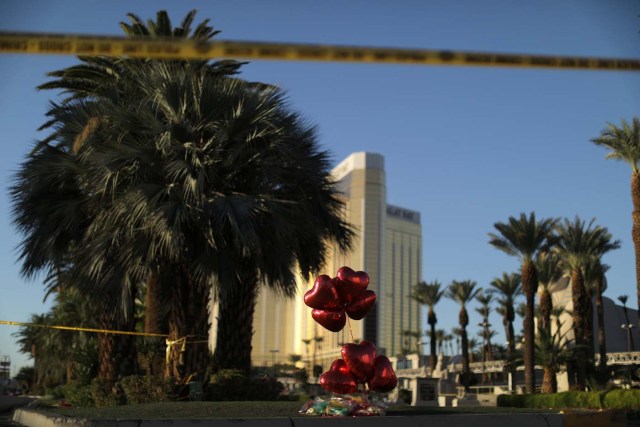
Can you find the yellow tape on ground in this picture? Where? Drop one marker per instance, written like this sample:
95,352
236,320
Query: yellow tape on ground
171,48
73,328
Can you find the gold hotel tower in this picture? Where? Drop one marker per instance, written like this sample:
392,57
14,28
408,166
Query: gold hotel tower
388,246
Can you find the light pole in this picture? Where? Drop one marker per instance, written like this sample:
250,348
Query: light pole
628,327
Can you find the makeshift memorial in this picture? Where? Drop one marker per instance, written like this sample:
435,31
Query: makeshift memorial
333,302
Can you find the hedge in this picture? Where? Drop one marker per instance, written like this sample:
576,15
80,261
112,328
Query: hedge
613,399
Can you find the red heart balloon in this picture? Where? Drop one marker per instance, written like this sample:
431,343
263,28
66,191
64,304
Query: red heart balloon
360,359
351,284
323,295
384,379
332,320
361,305
338,379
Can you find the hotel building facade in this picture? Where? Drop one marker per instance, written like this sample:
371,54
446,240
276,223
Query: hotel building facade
387,245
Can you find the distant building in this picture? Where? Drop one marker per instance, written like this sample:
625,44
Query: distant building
388,246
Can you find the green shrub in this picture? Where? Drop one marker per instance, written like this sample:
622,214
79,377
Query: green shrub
614,399
145,389
102,393
79,394
232,384
622,399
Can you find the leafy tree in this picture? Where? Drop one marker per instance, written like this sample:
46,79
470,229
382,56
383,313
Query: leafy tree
525,237
463,292
429,294
624,144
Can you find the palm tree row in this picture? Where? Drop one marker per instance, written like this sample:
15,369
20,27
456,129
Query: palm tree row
548,248
180,178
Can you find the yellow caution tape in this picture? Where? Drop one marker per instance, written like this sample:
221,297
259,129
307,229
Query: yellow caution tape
73,328
171,48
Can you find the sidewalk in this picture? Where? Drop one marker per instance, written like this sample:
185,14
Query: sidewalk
33,418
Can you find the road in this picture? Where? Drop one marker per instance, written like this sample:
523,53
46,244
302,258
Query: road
7,405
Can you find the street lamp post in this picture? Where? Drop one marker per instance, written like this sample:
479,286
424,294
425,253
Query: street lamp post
628,327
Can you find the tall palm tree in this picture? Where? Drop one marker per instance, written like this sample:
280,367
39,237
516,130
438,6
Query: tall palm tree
624,144
429,294
549,272
623,299
462,292
577,242
485,300
603,245
507,288
525,237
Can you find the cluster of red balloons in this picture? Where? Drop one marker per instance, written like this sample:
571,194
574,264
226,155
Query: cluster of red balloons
359,365
344,295
332,300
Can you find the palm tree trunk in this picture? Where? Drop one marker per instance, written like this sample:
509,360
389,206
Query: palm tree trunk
237,303
116,353
151,306
549,382
432,343
602,339
588,328
635,197
529,285
188,328
545,310
578,297
511,348
466,370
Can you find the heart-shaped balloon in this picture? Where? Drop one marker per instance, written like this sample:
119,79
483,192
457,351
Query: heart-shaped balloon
384,379
332,320
338,379
323,295
360,359
351,284
361,305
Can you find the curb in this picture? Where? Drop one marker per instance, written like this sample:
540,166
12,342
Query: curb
32,418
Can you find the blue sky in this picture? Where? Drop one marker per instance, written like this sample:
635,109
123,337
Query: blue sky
464,146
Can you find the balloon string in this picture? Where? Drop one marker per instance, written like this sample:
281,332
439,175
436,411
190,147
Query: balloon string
350,331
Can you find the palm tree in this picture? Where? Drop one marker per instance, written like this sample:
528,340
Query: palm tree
553,353
429,294
52,206
204,181
624,144
601,246
623,299
507,288
549,272
462,292
484,310
577,242
440,334
525,238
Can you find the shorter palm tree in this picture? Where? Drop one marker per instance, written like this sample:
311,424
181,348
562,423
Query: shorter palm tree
462,292
429,294
553,352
